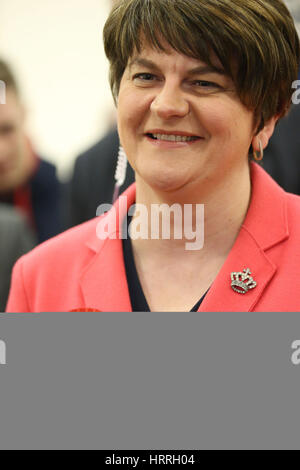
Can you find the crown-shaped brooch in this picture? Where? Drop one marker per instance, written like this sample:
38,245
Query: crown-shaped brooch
242,282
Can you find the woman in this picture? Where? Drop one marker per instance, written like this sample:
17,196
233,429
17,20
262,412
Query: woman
199,86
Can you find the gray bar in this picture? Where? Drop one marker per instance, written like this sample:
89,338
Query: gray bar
150,381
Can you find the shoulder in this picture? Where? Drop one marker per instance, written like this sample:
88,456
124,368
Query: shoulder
293,200
45,175
76,246
16,237
50,274
8,214
293,209
61,258
46,167
11,220
66,246
292,221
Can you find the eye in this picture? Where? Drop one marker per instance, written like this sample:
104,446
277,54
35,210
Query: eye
205,84
144,77
6,129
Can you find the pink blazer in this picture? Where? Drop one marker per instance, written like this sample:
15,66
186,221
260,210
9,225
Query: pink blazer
77,270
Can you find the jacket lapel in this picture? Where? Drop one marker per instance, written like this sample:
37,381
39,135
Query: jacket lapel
245,254
103,283
264,227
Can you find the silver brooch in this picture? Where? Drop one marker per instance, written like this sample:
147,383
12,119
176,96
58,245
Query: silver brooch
242,282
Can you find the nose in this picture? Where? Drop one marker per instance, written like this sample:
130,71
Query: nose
170,102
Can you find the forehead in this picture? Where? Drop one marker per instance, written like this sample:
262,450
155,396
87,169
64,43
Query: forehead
150,57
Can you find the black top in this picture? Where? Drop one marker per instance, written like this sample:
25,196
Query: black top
137,297
93,181
45,200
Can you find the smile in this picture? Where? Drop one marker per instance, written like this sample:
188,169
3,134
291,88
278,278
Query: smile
172,138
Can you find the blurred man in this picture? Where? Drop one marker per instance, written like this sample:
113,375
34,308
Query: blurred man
93,180
26,181
16,239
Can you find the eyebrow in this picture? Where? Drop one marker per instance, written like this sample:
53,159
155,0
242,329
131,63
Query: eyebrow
201,69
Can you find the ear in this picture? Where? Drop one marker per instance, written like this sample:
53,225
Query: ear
264,134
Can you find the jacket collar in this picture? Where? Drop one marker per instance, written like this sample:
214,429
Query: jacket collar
266,218
104,285
265,226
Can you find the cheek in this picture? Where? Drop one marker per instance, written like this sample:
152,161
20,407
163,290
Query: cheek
132,111
217,122
228,122
214,116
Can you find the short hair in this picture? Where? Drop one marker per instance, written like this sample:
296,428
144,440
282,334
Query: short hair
255,40
7,76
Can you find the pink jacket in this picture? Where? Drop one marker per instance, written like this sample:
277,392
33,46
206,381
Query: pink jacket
76,270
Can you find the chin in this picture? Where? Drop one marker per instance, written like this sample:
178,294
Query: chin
166,183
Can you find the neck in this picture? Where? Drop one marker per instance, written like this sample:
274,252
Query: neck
216,210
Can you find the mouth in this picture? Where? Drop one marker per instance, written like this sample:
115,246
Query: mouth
172,137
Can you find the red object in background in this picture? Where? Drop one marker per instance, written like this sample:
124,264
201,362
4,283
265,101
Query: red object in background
85,310
22,201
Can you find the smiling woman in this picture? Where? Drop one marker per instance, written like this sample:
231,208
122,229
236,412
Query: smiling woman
183,110
199,86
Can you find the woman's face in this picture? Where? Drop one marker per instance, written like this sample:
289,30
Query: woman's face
180,121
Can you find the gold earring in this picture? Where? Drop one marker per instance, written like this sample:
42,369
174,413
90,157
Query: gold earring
258,158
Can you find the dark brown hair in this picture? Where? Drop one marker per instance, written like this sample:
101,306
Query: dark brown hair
255,40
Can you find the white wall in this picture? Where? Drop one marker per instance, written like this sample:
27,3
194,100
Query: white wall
55,48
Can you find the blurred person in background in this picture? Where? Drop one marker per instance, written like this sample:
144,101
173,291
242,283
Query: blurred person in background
16,239
92,182
27,182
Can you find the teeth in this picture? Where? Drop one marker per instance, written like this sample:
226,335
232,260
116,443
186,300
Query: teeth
173,138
